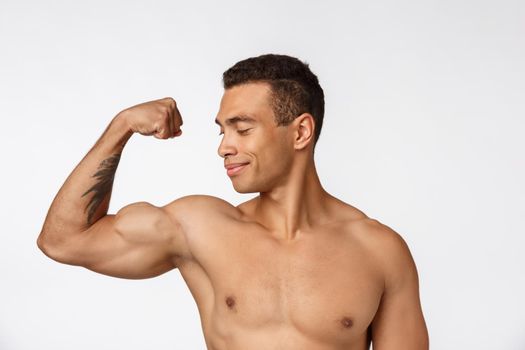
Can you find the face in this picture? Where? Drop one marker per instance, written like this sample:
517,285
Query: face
257,153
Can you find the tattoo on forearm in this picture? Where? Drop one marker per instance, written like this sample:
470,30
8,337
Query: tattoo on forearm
104,175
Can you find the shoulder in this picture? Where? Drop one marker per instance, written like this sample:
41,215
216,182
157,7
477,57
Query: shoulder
384,246
198,207
198,200
389,249
372,234
378,235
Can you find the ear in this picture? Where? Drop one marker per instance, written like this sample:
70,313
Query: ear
304,126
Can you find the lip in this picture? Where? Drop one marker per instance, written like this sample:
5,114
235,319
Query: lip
234,168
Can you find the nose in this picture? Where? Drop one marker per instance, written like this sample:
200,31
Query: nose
226,147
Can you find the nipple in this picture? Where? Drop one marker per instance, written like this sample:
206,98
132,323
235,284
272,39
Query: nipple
347,322
230,302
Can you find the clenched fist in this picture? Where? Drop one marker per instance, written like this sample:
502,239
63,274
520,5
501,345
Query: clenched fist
159,118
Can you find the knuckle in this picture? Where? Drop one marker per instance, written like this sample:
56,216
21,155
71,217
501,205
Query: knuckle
171,102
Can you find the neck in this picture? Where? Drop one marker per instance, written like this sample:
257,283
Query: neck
297,204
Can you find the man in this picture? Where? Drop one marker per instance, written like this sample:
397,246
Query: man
293,268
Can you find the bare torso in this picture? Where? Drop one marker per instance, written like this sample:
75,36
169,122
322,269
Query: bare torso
293,268
320,290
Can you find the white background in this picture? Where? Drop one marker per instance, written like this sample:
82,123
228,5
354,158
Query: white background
424,131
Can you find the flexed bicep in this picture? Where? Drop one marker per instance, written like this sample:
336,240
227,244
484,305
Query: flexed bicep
138,242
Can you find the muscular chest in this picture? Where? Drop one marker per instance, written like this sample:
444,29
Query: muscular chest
322,288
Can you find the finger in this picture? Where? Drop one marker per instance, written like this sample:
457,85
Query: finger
157,135
177,118
172,105
176,126
170,123
158,132
163,134
161,130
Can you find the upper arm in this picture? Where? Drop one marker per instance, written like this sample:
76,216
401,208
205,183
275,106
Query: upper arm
140,241
399,323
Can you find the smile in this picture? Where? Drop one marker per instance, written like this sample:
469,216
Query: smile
234,169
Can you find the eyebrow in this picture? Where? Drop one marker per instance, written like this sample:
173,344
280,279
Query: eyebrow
237,119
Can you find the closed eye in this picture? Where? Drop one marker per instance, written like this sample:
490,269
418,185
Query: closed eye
240,132
244,131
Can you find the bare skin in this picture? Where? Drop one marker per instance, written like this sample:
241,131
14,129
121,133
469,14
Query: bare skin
292,268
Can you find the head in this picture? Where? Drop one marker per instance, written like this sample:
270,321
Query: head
271,113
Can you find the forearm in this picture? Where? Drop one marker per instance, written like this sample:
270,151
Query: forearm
85,195
82,202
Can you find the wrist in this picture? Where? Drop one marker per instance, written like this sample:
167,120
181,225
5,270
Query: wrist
121,129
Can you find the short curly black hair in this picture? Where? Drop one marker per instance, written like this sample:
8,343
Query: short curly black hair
295,89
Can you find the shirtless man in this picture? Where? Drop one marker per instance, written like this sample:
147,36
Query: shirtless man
292,268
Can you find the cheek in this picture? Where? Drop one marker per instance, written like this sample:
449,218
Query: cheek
270,149
275,154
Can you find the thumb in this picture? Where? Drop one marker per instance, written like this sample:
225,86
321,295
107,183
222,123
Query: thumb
159,133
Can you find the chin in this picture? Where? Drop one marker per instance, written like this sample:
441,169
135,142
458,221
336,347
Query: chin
245,187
